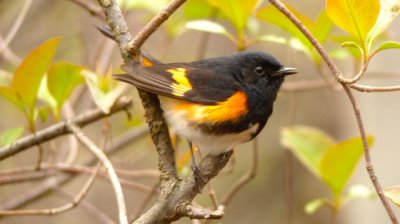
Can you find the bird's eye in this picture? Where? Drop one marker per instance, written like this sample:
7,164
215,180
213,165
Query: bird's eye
259,70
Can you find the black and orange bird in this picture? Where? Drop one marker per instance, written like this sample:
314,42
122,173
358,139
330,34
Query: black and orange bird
215,103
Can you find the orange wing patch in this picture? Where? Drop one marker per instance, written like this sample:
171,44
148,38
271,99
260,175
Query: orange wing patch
230,110
146,62
183,85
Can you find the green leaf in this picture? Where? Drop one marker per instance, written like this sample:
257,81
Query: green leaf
339,161
196,9
11,96
354,45
209,26
355,17
237,11
350,44
323,26
62,78
43,113
320,29
30,72
44,95
393,193
312,206
272,15
103,92
387,45
308,144
10,135
389,9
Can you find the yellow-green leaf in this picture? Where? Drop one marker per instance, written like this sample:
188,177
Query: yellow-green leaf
11,95
10,135
62,78
196,9
308,144
387,45
339,161
272,15
393,193
103,92
320,29
389,9
30,72
357,17
237,11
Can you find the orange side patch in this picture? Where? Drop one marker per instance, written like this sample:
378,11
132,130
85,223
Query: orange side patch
230,110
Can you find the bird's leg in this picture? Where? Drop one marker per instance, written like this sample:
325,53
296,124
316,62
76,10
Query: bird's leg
196,172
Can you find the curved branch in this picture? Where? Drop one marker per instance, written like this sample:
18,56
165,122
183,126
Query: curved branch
335,70
17,24
123,218
369,89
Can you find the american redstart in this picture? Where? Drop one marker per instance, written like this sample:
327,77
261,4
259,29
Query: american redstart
215,103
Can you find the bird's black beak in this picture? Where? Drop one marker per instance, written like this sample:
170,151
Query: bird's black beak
284,71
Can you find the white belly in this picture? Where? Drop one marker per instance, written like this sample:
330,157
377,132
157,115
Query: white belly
208,143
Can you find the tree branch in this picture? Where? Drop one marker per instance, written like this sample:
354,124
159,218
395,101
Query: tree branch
58,210
201,213
19,200
123,218
59,129
335,71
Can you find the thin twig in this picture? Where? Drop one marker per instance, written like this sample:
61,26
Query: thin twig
335,70
37,192
8,54
123,219
17,24
368,89
58,210
246,178
59,129
91,8
200,213
134,45
30,174
89,208
145,202
213,196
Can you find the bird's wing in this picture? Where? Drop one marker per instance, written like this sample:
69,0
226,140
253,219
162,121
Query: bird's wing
181,81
